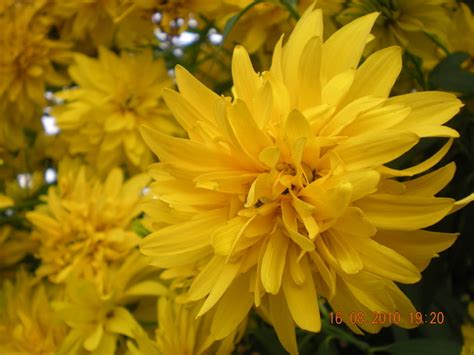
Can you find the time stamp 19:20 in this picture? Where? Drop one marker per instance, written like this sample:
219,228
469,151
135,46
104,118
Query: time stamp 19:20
415,318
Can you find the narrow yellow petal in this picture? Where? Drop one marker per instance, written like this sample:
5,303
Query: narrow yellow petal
283,322
342,51
432,183
238,299
302,299
404,212
421,167
385,262
199,96
418,246
273,262
372,150
385,65
176,246
246,81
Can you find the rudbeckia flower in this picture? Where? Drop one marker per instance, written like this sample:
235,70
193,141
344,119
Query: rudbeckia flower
179,332
85,224
28,324
29,60
282,194
115,95
408,23
98,318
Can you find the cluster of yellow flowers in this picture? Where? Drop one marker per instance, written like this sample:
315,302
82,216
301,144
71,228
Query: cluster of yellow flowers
140,219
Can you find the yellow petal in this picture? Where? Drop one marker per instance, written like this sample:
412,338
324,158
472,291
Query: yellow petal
178,151
310,25
199,96
432,183
94,338
309,74
417,246
337,88
385,65
372,150
238,299
404,212
122,322
385,262
226,277
427,109
342,51
302,299
283,322
273,262
344,251
246,81
175,246
422,167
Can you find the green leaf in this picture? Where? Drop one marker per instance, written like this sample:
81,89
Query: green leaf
424,346
449,74
139,229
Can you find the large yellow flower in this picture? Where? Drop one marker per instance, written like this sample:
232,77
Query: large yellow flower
116,94
28,60
282,192
28,325
408,23
85,225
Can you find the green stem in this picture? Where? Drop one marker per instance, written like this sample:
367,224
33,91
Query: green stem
438,42
291,9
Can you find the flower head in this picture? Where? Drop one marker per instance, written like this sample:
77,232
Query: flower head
115,95
179,332
85,225
281,194
408,23
28,324
28,60
98,318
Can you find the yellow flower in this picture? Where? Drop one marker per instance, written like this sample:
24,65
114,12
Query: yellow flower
468,333
284,187
14,246
461,31
179,332
407,23
92,23
86,225
97,319
28,324
116,94
28,60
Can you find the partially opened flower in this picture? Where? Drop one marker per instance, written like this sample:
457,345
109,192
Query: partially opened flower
116,95
28,324
409,23
29,60
99,318
179,332
282,195
85,225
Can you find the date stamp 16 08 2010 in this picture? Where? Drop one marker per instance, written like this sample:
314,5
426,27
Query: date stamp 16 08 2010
359,318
